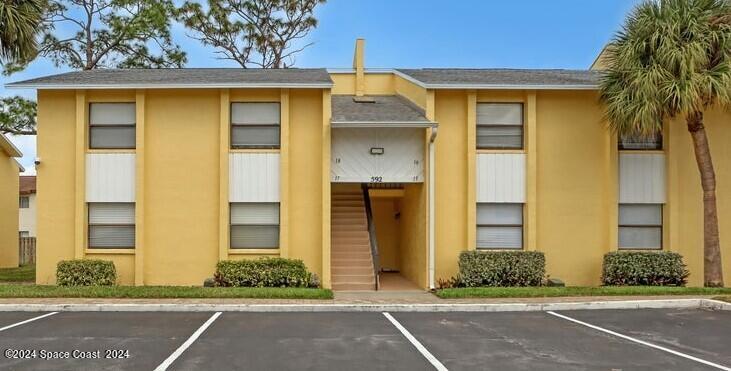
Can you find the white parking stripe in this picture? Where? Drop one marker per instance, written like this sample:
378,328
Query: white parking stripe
638,341
169,361
429,357
26,321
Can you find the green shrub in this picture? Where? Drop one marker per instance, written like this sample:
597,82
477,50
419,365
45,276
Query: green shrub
501,268
86,272
264,272
644,268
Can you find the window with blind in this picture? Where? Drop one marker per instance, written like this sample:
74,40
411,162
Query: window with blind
112,125
499,226
640,226
638,142
500,126
254,225
112,225
255,125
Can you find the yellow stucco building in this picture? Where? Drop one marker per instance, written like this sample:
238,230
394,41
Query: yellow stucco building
9,206
166,172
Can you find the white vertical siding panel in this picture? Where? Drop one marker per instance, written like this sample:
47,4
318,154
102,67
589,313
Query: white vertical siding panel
642,178
254,177
501,177
110,177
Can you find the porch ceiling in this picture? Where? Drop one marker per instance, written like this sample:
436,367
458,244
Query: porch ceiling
379,111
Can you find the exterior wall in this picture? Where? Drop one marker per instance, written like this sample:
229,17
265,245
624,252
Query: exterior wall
9,185
413,238
55,182
451,181
182,189
375,83
574,180
27,216
179,180
388,231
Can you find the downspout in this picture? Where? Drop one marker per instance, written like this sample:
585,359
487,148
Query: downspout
432,138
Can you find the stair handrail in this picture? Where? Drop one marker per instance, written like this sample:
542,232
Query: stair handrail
371,233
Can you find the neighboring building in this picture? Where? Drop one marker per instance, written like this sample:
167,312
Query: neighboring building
27,221
166,172
9,171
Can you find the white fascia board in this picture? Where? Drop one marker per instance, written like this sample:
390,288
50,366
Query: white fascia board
511,87
382,124
9,147
168,86
20,166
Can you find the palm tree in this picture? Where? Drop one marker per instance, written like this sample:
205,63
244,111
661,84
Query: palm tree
20,23
672,59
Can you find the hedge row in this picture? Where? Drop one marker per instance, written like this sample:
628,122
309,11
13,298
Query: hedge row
86,272
528,268
264,272
476,269
644,268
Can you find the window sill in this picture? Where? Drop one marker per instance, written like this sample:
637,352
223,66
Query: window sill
255,150
110,251
642,151
502,151
640,249
253,251
111,150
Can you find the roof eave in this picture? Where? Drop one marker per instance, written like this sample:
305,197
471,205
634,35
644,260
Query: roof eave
42,86
8,147
511,87
383,124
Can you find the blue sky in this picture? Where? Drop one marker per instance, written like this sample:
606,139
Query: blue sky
428,33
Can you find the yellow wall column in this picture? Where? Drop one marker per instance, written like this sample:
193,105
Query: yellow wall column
671,211
140,188
223,153
80,175
326,113
471,170
284,175
531,176
613,194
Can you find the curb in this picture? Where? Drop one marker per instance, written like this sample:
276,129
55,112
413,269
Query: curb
507,307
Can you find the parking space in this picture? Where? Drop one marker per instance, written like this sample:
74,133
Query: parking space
701,333
529,341
296,341
148,337
570,340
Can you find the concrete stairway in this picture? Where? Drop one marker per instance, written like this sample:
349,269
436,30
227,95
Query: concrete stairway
351,260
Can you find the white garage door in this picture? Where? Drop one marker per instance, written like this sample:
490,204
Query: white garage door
377,155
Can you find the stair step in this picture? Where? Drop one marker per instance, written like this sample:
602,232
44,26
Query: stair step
349,234
357,263
351,203
350,255
353,286
354,278
351,270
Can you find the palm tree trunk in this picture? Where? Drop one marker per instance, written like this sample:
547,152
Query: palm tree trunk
712,267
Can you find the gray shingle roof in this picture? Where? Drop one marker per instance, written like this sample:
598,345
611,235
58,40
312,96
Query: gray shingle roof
184,77
504,78
385,109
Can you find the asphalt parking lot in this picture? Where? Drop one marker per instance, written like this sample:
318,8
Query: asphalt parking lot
648,339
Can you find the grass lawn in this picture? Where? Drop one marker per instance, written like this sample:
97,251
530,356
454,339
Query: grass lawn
159,292
25,273
541,292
